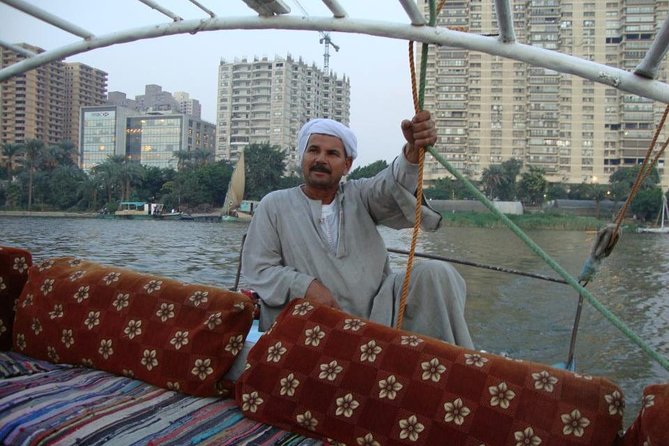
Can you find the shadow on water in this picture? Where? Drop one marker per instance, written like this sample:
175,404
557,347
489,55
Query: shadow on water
527,318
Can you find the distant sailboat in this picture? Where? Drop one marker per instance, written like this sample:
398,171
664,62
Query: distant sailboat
235,208
662,229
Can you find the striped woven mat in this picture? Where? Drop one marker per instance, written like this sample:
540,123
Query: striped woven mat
47,404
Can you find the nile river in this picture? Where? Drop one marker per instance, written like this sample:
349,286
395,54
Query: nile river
527,318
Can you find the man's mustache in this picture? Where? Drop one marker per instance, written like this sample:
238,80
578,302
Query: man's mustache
320,168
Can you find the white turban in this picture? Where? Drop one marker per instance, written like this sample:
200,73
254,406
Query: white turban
327,127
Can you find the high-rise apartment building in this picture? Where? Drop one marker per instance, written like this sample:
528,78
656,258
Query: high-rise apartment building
155,99
188,105
490,109
122,100
32,104
84,86
44,103
267,101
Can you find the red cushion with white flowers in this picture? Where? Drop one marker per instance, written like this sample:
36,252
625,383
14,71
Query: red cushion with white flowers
326,374
651,427
14,264
161,331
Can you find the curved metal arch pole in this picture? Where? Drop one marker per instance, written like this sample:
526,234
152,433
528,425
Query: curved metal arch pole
47,17
650,63
553,60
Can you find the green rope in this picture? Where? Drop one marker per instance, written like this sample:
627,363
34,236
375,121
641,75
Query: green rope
423,59
553,264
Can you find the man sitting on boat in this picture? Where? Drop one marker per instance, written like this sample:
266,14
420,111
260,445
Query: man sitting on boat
320,240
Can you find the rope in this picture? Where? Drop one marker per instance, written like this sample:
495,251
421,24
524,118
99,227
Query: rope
608,237
498,268
418,100
645,169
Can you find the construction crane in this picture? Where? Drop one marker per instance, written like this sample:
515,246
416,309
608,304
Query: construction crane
325,40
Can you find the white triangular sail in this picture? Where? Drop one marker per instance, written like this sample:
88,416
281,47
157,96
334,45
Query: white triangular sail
235,194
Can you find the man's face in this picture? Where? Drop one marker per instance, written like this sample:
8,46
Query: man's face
324,161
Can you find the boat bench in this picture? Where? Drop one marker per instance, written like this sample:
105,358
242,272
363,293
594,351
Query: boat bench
94,354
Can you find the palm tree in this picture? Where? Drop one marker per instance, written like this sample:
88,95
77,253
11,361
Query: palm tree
131,173
201,157
10,153
62,154
183,157
119,172
107,174
493,179
34,150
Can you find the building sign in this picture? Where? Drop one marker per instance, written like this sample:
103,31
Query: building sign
99,115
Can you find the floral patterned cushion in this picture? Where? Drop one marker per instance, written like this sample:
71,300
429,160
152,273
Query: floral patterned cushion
651,427
14,264
167,333
326,374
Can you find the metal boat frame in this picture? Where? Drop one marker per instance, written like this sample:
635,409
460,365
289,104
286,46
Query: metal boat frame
275,14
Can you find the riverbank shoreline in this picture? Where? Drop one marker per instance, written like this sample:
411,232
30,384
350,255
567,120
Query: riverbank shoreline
210,217
49,214
531,221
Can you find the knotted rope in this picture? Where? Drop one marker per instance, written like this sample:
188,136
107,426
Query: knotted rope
608,236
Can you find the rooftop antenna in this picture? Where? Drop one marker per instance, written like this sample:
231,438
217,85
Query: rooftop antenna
325,40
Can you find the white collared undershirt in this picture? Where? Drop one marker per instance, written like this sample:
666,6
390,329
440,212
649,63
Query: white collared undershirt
330,224
330,213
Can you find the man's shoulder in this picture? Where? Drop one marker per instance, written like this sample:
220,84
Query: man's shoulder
282,194
365,182
280,197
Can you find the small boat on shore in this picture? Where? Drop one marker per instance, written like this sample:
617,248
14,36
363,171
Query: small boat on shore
140,210
243,213
134,210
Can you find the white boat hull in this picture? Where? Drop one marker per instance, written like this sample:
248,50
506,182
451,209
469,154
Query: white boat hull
664,230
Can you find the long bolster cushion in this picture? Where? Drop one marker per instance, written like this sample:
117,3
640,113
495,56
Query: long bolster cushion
174,335
323,373
14,264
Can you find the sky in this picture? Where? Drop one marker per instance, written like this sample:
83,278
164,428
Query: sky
377,67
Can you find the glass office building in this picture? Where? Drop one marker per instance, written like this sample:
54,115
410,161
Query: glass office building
150,139
100,127
153,140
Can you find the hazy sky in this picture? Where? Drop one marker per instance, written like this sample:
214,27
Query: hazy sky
377,67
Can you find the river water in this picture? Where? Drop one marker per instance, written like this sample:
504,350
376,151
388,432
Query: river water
524,317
